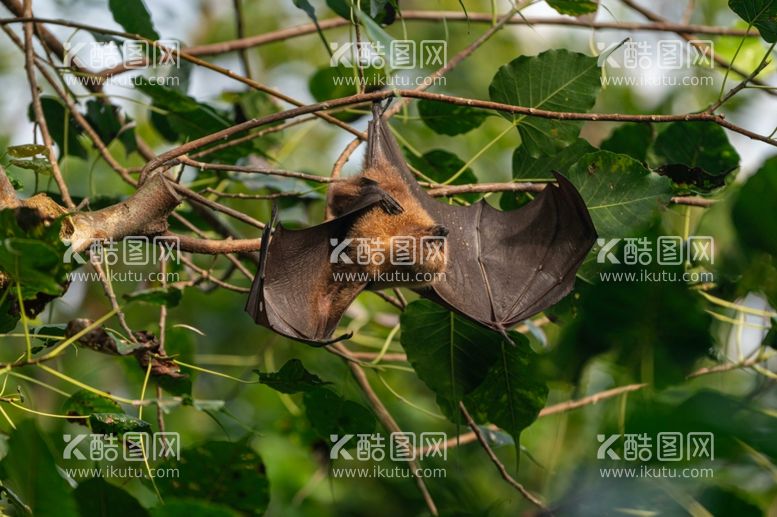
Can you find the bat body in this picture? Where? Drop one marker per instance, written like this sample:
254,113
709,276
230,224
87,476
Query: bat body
496,268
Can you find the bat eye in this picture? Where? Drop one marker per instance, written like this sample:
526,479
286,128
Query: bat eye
439,230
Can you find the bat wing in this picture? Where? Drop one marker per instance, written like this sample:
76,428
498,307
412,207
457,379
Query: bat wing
294,292
503,267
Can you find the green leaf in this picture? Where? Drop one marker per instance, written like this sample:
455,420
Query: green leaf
104,119
57,116
85,403
332,82
526,167
622,196
451,354
761,13
26,150
192,508
31,473
439,165
36,265
37,165
702,147
168,296
574,7
117,423
291,378
374,31
754,209
57,329
449,119
556,80
133,16
227,473
631,139
98,498
513,392
188,119
329,413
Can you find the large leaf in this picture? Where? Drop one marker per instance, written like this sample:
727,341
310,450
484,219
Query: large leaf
556,80
761,13
229,473
291,378
513,392
632,139
31,473
98,498
329,414
134,17
449,119
527,167
755,208
621,195
695,155
450,354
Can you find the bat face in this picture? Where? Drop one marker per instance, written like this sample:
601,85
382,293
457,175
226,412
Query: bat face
496,268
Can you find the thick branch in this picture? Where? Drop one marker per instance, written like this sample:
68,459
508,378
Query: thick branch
143,213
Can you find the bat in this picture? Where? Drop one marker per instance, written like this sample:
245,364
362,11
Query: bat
495,268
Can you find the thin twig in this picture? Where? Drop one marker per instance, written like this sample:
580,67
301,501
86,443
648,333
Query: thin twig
385,418
29,67
495,460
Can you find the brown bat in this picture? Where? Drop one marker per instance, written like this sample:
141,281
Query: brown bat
496,268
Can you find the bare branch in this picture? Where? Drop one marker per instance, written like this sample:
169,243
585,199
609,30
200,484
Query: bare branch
495,460
384,416
29,66
143,213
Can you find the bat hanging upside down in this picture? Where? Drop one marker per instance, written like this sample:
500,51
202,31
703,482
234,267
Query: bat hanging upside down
496,268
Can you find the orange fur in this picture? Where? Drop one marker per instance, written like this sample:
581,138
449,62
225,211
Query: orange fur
378,228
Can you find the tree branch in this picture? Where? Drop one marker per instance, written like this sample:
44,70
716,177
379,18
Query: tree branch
495,460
